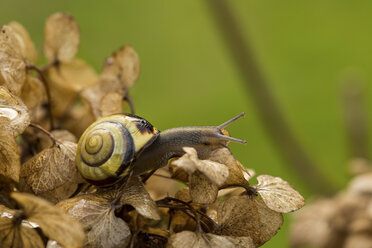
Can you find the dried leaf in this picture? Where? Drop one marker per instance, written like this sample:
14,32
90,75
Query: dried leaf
62,38
123,64
10,163
198,240
136,195
133,194
111,103
202,190
51,168
236,170
7,186
159,187
66,81
60,193
27,47
248,216
93,95
278,194
33,92
103,228
241,242
15,232
53,222
216,172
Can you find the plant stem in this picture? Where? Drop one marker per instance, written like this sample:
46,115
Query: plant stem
257,86
50,135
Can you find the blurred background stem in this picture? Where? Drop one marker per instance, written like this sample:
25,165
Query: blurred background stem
257,86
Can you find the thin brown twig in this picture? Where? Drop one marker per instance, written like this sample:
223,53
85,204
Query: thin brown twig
41,73
49,134
291,150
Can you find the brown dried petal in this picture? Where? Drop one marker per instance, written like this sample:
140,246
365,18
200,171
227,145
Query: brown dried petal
33,92
248,216
93,95
199,240
123,64
278,194
10,163
62,38
103,228
52,221
51,168
60,193
17,118
236,170
27,47
12,72
136,195
202,190
14,233
160,187
111,103
216,172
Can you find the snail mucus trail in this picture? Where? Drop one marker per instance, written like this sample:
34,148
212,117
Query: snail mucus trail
115,145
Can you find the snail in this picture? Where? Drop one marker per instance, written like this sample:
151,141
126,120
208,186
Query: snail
114,146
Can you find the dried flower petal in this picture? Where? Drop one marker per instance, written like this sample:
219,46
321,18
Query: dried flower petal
52,221
236,170
103,228
123,64
216,172
15,233
27,47
62,38
10,163
248,216
111,103
51,168
202,189
33,92
198,240
278,194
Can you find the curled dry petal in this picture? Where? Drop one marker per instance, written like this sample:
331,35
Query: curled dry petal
216,172
96,214
278,194
237,173
27,47
123,64
53,222
51,168
62,38
248,216
10,162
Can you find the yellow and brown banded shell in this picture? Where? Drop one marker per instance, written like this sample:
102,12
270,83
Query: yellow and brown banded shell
108,147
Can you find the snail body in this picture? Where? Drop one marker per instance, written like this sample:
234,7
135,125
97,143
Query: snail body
114,145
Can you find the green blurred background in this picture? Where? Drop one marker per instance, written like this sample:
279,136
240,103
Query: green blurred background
188,77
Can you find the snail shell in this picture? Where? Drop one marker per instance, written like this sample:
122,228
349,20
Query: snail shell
108,147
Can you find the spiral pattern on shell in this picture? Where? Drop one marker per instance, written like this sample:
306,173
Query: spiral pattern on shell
107,147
